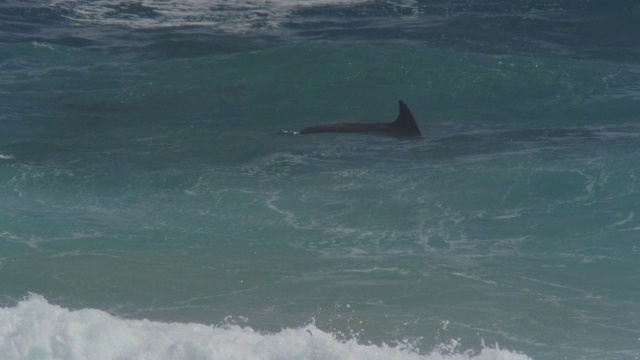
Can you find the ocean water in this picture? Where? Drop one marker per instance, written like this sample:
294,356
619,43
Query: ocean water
149,209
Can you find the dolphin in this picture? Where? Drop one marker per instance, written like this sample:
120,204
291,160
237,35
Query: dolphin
404,126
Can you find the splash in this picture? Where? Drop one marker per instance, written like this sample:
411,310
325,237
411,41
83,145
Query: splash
35,329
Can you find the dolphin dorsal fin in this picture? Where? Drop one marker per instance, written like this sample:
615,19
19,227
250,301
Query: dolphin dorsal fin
405,121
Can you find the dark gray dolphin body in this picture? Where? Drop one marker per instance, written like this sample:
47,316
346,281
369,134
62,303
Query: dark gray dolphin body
404,126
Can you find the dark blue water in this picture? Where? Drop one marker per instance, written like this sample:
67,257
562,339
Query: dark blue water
149,208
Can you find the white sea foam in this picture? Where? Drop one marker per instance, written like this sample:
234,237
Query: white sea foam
226,15
35,329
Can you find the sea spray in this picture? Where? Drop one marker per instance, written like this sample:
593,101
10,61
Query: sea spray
35,329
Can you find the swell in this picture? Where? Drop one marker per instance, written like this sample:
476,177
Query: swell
595,29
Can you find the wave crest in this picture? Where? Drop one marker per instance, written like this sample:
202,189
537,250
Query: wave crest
36,329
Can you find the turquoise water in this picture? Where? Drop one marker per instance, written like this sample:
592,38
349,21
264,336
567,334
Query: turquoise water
150,209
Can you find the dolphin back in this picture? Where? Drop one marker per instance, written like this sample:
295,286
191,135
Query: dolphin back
404,126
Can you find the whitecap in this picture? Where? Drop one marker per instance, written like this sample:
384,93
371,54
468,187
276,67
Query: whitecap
36,329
